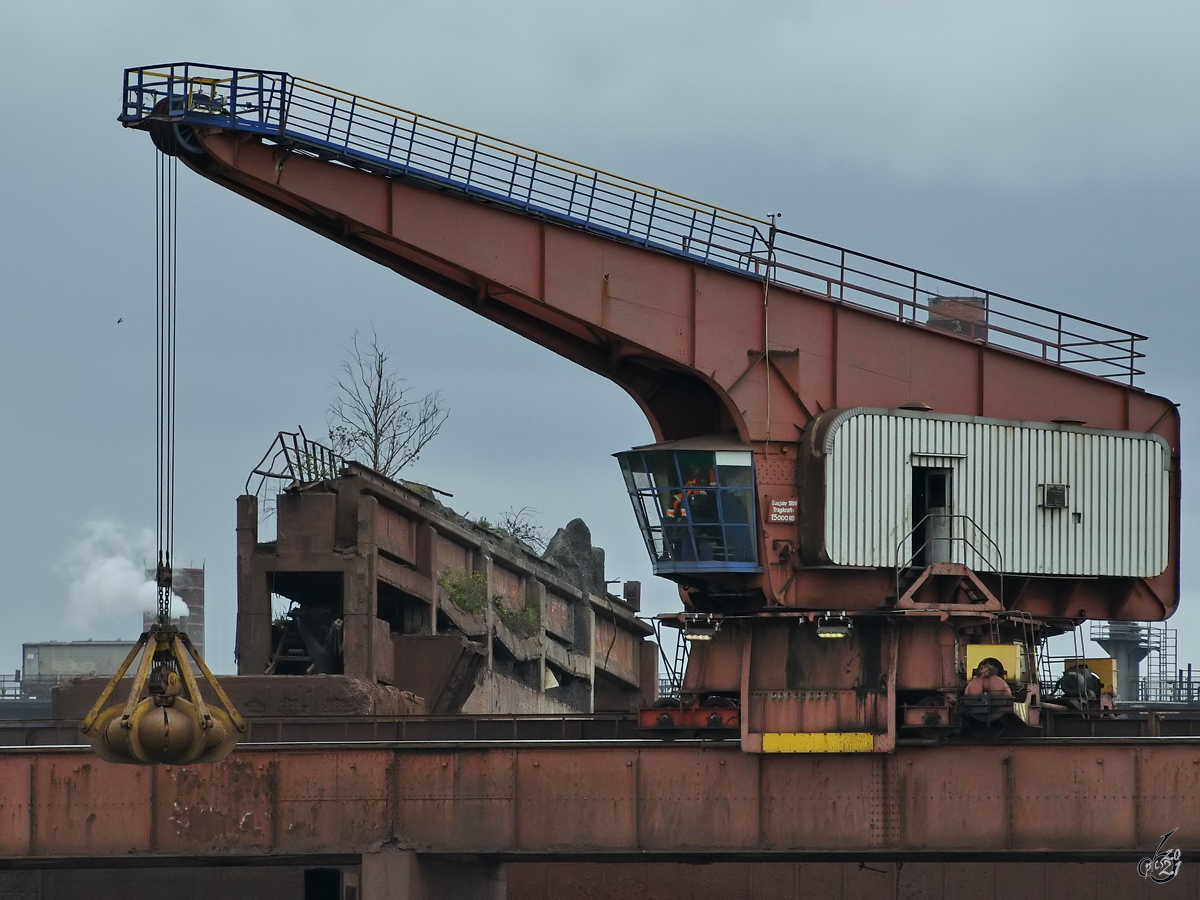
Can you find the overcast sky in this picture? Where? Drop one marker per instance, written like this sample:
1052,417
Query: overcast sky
1047,151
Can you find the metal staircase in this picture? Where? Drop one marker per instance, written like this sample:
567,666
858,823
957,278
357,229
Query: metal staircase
967,549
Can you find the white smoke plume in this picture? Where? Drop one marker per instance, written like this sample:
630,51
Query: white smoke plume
109,589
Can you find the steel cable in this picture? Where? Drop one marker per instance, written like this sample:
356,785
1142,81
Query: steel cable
165,310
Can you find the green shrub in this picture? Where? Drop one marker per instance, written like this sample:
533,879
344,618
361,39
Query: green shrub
525,622
468,590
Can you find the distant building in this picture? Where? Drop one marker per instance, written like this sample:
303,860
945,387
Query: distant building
189,585
52,662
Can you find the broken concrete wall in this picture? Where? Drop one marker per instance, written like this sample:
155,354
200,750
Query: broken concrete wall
497,694
368,563
441,667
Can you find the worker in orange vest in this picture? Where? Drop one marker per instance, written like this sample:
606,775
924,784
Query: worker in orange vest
678,509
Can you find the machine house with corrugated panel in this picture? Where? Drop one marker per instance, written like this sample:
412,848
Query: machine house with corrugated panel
900,488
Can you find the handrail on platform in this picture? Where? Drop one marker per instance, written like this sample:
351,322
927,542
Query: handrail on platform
975,554
314,118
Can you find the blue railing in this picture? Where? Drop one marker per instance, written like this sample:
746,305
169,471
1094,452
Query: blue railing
329,123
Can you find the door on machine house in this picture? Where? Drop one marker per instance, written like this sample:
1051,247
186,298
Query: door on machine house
932,502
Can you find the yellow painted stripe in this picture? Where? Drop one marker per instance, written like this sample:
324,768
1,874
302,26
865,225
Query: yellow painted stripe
819,742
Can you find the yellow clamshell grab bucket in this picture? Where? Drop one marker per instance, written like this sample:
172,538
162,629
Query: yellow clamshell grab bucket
165,720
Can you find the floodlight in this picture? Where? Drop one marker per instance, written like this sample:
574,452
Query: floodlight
831,626
701,628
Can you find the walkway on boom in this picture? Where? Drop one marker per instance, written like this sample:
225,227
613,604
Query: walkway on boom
328,123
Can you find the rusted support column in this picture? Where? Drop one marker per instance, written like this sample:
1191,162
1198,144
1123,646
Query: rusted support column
482,561
535,595
648,672
386,875
589,617
425,538
497,886
253,644
358,598
394,874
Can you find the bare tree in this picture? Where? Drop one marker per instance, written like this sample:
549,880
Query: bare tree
521,524
373,419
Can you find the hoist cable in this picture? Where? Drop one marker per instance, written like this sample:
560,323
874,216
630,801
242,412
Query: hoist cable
173,231
158,276
166,226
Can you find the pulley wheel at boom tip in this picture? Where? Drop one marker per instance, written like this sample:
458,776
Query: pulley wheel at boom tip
173,138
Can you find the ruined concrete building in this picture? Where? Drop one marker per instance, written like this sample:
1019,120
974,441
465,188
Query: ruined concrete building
385,585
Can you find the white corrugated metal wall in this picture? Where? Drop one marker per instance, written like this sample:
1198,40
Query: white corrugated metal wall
1115,523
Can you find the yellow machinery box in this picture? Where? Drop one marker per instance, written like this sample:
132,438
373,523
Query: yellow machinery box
1103,668
1010,657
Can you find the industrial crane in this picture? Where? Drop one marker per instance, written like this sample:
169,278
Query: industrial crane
878,490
